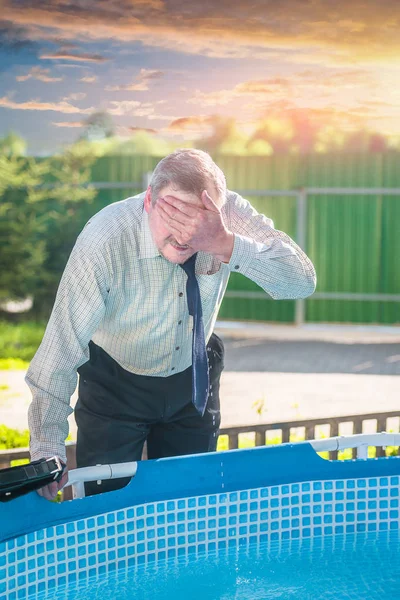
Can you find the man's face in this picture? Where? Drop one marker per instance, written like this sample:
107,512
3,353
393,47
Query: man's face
163,239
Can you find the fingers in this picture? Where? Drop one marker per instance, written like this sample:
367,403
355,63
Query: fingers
49,491
172,224
172,215
208,202
180,205
64,480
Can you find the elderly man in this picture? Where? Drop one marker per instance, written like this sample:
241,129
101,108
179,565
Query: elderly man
135,312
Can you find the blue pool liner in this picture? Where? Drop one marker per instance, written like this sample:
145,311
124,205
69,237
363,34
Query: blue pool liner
196,475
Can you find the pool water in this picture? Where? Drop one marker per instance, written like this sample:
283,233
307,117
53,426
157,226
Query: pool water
357,566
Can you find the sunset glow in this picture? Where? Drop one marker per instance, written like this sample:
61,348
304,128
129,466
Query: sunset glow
173,68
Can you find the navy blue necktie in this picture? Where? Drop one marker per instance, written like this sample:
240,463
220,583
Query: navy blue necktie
200,380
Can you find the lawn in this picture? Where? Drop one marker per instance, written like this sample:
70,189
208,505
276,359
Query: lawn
18,343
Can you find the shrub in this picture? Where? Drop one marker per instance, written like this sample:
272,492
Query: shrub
12,438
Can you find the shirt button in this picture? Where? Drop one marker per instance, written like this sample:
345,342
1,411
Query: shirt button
177,348
179,322
173,369
237,267
180,294
208,272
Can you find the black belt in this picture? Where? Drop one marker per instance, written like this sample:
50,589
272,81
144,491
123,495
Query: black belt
17,481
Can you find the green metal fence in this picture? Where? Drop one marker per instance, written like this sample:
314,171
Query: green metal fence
351,234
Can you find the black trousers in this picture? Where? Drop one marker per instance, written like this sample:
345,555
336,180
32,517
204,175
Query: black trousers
117,411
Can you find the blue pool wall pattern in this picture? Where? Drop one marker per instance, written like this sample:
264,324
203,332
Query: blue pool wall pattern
196,504
199,474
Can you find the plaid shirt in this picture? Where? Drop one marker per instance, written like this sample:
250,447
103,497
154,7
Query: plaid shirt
118,291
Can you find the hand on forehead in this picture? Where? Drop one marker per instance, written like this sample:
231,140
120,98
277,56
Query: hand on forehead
174,207
181,199
184,204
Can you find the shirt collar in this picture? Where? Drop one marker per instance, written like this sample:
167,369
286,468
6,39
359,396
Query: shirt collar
206,264
147,249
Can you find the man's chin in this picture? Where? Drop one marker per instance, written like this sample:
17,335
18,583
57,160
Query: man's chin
176,256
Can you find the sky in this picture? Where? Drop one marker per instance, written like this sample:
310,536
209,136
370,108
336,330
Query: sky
170,65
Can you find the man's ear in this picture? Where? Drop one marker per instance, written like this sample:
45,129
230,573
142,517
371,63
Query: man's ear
147,200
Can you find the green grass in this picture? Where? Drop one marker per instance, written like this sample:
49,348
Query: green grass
13,438
18,343
13,364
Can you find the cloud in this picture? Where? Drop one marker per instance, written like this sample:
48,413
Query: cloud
186,123
141,84
261,87
133,87
63,106
340,32
40,74
217,98
190,127
134,108
126,131
348,78
151,74
75,96
88,79
300,89
14,38
158,117
124,107
258,90
60,55
146,129
68,124
144,112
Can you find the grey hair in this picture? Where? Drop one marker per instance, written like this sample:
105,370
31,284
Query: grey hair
188,170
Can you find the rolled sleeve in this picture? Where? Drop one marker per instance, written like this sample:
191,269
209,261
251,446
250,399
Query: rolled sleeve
267,256
52,373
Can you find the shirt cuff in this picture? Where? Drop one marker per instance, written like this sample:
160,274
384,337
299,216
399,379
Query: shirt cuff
39,454
244,252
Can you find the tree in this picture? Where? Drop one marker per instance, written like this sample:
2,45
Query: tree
225,138
98,126
144,143
39,222
12,145
22,248
67,208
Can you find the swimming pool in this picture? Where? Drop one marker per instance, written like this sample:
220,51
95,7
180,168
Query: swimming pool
268,522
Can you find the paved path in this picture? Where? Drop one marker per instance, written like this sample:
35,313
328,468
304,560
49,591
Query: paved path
310,372
286,372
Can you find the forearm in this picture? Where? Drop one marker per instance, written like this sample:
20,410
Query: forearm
52,379
48,424
265,255
52,374
277,267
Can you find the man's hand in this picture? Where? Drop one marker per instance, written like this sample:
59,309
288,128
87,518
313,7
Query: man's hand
50,491
200,227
